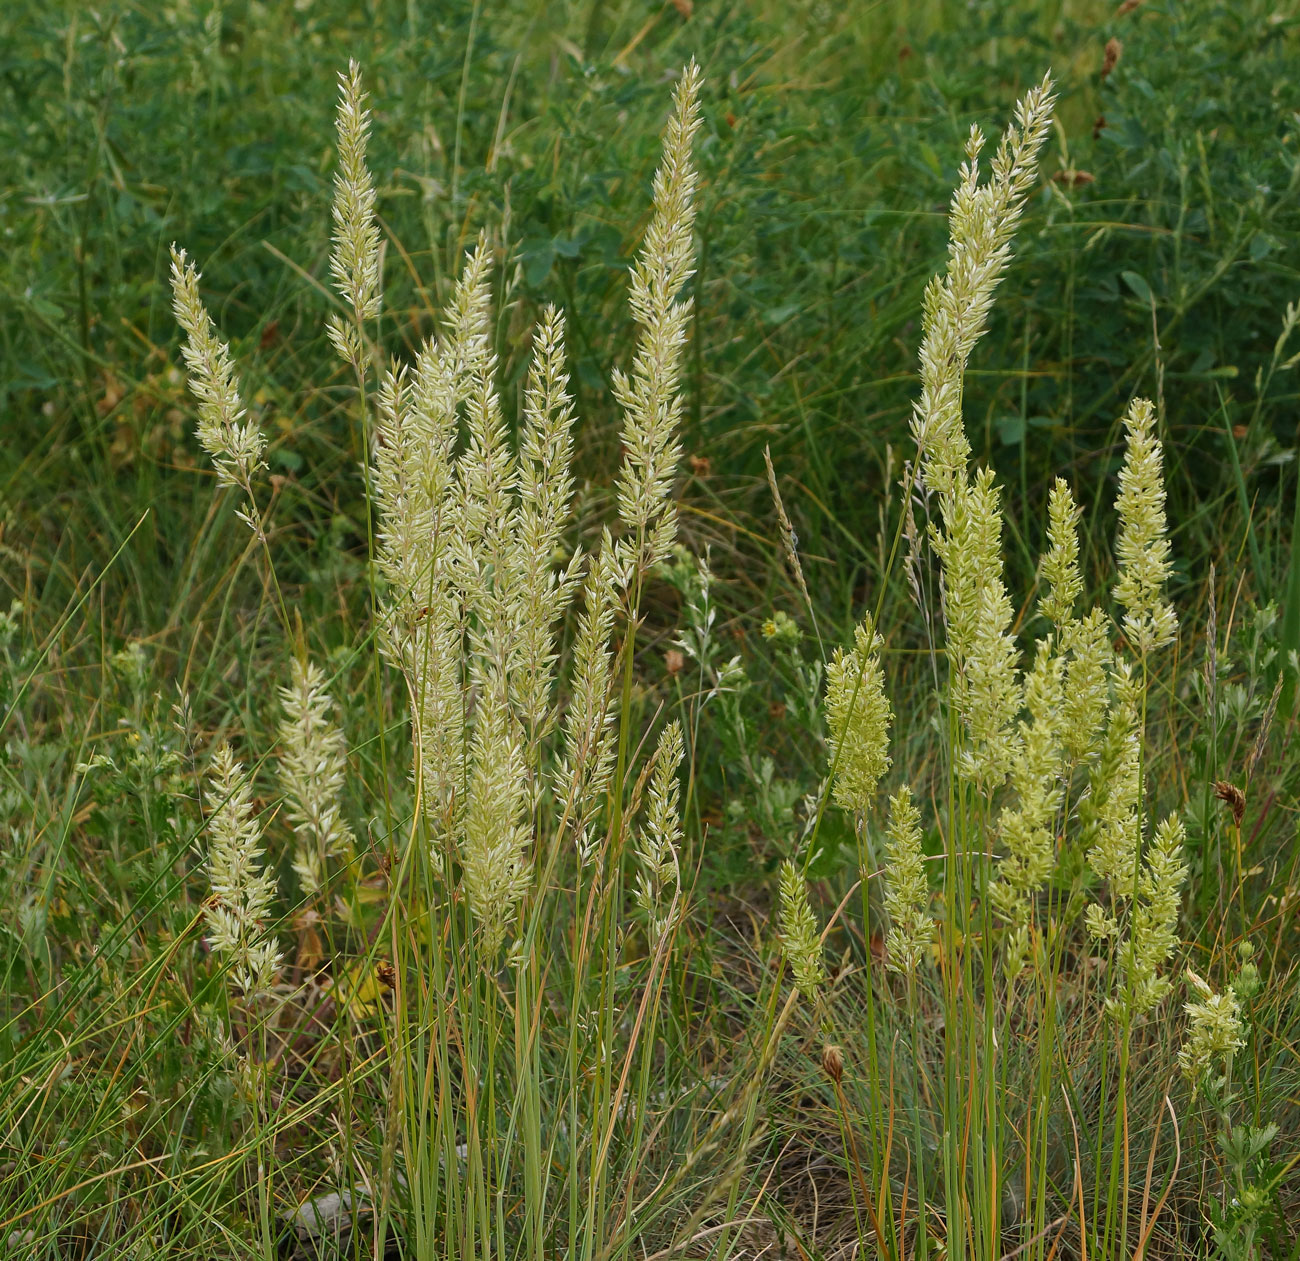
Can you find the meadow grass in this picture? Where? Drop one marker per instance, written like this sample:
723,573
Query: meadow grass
349,989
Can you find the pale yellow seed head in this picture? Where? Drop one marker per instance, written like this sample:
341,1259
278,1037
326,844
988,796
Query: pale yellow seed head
858,715
800,940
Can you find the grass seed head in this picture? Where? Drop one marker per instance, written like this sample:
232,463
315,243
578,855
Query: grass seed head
648,393
800,939
1142,547
858,715
907,892
659,840
354,263
1215,1029
313,762
1060,566
235,443
242,888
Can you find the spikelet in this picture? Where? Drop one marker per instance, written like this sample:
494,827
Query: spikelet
648,393
1087,688
235,444
977,614
354,263
242,888
982,219
659,840
1153,928
1027,828
313,758
907,893
1215,1029
1142,547
858,715
497,837
589,738
1060,567
800,941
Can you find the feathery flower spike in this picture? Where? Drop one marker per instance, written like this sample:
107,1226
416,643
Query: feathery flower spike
1143,544
982,220
1027,827
545,502
907,894
354,263
658,841
242,888
235,444
589,735
858,715
1087,693
1061,563
1214,1029
648,393
1153,929
313,759
497,835
800,941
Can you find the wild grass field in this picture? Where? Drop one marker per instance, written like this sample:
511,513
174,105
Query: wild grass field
649,630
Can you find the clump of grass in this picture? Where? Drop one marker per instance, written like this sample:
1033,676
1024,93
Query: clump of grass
1044,847
520,1098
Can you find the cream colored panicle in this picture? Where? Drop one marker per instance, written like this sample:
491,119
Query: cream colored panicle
981,221
800,940
545,503
1027,827
660,839
858,715
907,892
420,534
589,735
242,888
1142,548
497,838
1215,1029
648,393
483,542
235,443
1109,813
1153,930
1087,687
1060,567
967,538
313,761
977,616
354,264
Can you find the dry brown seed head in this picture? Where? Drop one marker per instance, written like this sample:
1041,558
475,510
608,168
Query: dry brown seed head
1233,798
833,1063
1114,47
